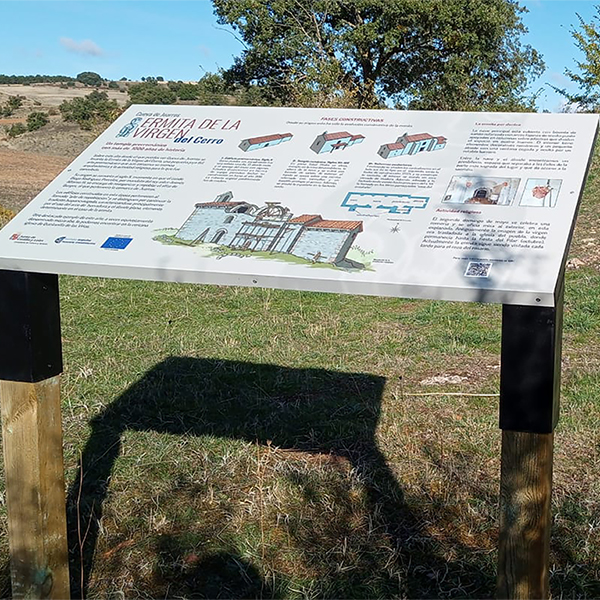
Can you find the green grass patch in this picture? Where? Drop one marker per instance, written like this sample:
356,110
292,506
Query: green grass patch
254,443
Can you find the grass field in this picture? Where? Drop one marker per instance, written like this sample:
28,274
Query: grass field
247,443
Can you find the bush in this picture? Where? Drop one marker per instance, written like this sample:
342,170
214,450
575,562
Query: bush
9,107
36,120
151,92
16,129
93,109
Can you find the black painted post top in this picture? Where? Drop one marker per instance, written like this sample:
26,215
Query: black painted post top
530,367
30,338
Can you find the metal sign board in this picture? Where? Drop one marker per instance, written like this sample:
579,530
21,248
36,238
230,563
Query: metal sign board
454,206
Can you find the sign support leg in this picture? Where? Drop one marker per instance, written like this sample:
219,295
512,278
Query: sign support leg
529,402
30,367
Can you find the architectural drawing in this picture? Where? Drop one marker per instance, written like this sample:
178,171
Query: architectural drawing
401,204
412,144
256,143
340,140
271,229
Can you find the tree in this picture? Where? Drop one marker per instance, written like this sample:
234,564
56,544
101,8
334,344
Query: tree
89,78
587,39
426,54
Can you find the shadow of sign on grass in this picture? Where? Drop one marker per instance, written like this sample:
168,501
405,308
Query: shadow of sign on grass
331,416
327,417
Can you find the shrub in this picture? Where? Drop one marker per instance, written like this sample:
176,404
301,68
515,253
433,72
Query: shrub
36,120
151,92
93,109
16,129
9,107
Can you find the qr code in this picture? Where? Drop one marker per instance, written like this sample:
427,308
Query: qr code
478,269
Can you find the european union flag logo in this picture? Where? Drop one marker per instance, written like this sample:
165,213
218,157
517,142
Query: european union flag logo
117,243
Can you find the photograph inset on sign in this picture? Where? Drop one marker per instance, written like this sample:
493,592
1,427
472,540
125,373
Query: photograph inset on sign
226,227
477,189
541,193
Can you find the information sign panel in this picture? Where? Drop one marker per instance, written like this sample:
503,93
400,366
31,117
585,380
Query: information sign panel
455,206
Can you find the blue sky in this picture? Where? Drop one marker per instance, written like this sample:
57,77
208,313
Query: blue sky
182,40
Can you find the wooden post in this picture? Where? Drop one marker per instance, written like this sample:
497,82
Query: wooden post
529,403
525,492
30,366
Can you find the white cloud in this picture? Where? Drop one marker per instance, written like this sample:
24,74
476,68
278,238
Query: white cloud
83,47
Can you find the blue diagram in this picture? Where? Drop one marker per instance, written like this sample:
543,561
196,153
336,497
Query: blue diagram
401,204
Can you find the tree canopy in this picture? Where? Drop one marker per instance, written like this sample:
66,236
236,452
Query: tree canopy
587,39
89,78
419,54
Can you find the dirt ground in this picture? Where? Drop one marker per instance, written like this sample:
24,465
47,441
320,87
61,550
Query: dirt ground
24,174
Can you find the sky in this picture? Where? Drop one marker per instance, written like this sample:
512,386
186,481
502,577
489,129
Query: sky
181,40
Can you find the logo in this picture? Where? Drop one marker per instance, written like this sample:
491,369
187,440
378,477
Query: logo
127,129
63,239
15,236
117,242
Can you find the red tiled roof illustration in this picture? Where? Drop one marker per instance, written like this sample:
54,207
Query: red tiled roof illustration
305,218
337,136
358,137
268,138
395,146
418,137
441,139
350,225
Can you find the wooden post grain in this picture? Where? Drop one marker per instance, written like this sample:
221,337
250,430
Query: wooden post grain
35,489
30,367
525,493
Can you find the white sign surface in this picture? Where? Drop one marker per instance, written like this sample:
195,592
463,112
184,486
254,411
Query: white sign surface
455,206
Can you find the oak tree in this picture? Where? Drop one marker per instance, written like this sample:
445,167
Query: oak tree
421,54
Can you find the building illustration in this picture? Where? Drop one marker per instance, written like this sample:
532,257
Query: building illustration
412,144
263,141
328,142
271,229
